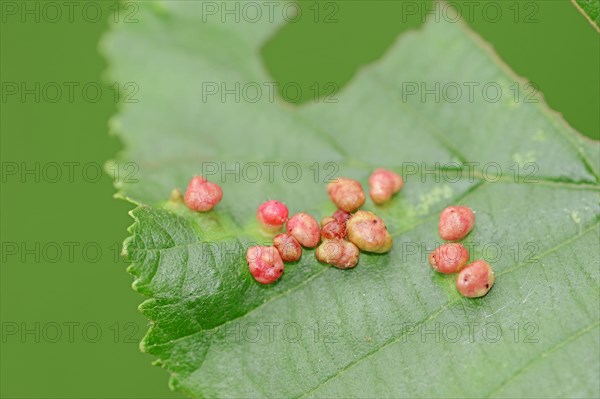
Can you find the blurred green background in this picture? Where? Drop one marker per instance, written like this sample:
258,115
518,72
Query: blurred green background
70,326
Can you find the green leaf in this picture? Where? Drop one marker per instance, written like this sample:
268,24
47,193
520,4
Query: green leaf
591,10
391,327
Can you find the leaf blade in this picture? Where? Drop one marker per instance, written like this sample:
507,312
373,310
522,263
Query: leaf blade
196,293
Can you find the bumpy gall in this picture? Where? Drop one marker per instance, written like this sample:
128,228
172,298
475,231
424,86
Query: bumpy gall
288,247
368,232
449,258
333,229
341,216
383,184
346,194
202,195
305,229
265,264
272,215
339,253
475,280
456,222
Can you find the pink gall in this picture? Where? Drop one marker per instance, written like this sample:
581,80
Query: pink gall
449,258
265,264
305,229
202,195
288,247
368,232
339,253
475,280
346,194
383,184
272,215
455,223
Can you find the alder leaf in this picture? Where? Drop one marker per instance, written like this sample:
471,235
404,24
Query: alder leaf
391,327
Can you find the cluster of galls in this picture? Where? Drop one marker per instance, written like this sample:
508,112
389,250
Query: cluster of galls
339,237
266,262
344,234
474,280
